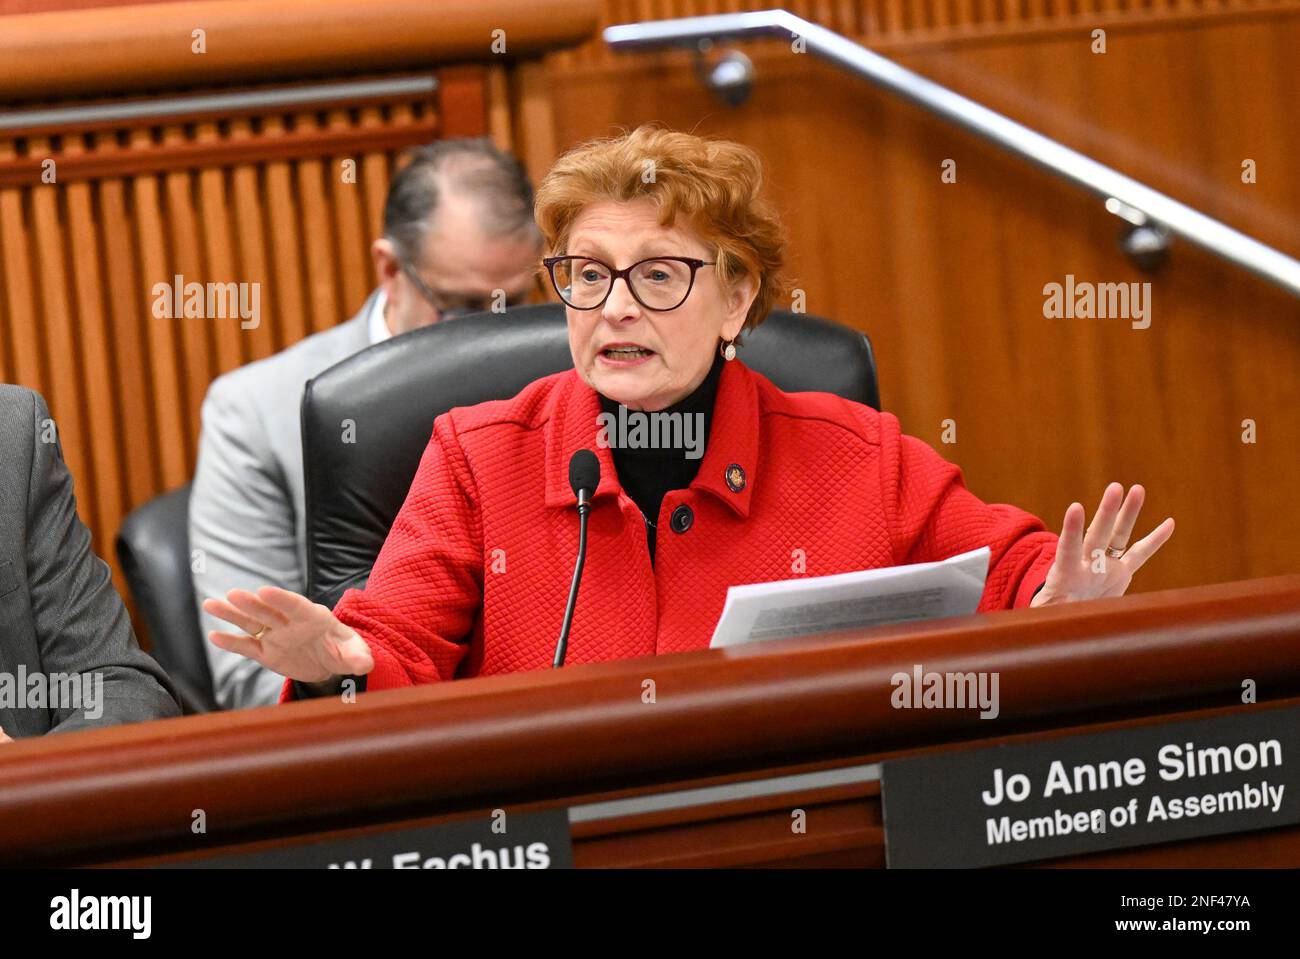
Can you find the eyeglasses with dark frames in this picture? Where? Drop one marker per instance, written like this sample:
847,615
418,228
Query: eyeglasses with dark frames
440,302
659,283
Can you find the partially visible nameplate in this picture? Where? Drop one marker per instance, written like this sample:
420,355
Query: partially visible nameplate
538,840
1093,792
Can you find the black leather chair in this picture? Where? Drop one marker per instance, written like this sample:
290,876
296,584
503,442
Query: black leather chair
153,547
393,391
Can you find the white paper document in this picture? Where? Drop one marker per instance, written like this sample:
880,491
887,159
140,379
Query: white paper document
871,597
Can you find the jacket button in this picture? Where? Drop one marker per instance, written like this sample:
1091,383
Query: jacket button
681,519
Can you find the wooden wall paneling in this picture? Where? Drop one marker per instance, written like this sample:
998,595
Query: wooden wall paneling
886,15
1170,416
317,232
499,125
1008,366
374,174
281,209
1122,393
163,336
1011,211
310,143
251,236
463,101
838,14
910,178
402,115
1256,355
6,346
936,15
218,243
851,17
351,238
26,362
130,311
1132,420
186,260
93,354
65,394
534,119
964,12
380,169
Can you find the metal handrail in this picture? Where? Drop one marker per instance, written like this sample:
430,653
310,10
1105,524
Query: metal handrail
162,108
1124,196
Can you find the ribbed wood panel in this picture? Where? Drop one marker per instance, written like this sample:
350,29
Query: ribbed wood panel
892,23
256,199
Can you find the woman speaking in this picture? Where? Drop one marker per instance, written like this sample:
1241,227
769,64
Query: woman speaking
664,253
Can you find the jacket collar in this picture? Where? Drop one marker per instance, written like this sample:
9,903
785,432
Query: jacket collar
733,440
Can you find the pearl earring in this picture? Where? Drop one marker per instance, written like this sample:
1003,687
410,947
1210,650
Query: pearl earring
729,351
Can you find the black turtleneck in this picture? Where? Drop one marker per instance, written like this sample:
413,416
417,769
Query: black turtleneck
647,474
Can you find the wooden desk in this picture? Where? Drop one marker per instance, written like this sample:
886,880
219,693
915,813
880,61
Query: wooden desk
730,721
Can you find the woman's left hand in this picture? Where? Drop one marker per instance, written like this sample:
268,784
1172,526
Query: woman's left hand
1086,566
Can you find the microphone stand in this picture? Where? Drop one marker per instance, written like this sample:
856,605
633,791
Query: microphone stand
562,647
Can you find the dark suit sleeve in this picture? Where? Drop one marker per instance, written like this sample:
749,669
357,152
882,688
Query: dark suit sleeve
81,624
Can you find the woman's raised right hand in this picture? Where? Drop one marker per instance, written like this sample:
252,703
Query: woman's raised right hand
290,635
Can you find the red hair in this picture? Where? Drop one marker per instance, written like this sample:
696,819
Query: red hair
714,185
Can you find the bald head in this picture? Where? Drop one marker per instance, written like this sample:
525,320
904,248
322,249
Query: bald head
456,178
458,234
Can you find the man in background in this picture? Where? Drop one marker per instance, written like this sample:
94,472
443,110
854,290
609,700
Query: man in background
459,237
68,658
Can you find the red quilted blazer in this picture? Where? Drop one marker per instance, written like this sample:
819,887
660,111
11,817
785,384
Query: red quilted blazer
474,575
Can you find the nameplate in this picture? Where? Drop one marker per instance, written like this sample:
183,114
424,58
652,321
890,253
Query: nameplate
1088,793
538,840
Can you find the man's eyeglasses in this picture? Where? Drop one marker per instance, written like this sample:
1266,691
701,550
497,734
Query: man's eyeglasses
449,306
659,283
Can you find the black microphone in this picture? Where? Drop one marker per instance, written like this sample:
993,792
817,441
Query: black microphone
584,477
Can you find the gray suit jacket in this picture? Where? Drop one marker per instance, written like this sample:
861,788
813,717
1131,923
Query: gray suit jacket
247,507
68,657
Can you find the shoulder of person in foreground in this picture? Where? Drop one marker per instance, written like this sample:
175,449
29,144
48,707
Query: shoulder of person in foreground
75,616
